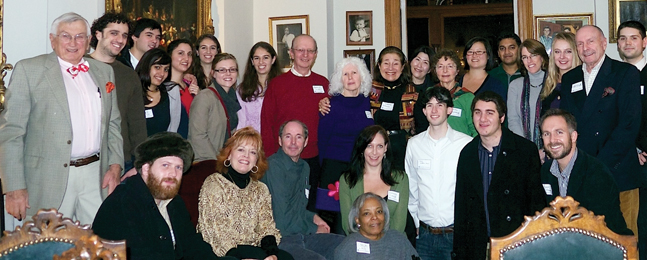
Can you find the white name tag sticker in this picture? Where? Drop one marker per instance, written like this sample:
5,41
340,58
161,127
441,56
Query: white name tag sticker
318,89
548,189
457,112
387,106
424,164
394,196
369,114
363,248
642,90
307,193
149,113
577,87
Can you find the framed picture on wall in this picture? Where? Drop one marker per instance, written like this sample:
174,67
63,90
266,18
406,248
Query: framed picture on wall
548,25
625,10
282,31
358,28
368,56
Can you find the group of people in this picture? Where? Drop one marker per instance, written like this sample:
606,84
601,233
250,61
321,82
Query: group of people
425,158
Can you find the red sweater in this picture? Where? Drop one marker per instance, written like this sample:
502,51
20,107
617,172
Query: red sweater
291,97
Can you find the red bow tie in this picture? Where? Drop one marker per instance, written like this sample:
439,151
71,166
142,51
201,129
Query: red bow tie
74,70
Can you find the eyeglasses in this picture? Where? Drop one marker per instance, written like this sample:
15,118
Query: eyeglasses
532,56
449,67
477,53
67,38
303,51
223,70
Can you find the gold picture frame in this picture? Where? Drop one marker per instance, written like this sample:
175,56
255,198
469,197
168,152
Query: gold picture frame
363,36
625,10
204,22
554,23
291,26
4,66
366,55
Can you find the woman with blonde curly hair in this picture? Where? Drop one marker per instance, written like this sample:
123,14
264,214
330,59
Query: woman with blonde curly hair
235,207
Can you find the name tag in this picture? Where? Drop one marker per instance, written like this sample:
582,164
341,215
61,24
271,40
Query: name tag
149,113
369,114
318,88
394,196
363,248
424,164
548,189
457,112
577,87
387,106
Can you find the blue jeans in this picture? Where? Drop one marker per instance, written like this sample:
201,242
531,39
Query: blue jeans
434,247
311,247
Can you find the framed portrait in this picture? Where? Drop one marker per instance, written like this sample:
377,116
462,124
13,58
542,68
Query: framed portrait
282,31
625,10
186,19
368,56
358,28
548,25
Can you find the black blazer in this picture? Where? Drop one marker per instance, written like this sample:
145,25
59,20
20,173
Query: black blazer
608,125
515,191
641,141
592,185
124,57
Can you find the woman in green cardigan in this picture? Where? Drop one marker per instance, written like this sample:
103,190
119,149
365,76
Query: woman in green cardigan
370,171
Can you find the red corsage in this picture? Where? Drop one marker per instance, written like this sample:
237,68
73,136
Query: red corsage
608,91
109,87
334,190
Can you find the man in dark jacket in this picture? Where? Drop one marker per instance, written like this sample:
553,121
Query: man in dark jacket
497,181
573,172
147,212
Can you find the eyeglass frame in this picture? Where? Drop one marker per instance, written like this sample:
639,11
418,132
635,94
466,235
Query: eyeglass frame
230,70
67,38
303,51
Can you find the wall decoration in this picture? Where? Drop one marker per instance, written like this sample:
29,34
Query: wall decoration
625,10
368,56
358,28
548,25
282,31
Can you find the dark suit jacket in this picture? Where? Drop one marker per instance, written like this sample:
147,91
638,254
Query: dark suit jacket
130,213
124,57
592,185
608,126
641,141
515,191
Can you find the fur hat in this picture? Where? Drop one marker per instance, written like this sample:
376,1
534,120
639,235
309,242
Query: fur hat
163,144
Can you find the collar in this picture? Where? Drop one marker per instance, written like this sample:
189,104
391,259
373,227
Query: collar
164,203
287,161
296,73
66,64
554,166
641,63
596,67
450,134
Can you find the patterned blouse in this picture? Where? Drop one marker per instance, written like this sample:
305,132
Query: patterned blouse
230,216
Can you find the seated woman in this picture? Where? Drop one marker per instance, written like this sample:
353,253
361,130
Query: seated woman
370,171
371,237
235,208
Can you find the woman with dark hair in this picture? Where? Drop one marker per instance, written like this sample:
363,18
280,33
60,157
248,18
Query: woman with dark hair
235,207
181,54
206,48
479,60
371,170
421,68
153,71
524,104
262,67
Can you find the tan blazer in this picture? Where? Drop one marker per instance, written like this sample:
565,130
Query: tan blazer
36,131
207,125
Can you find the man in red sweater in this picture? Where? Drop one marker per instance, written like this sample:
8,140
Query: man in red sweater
296,95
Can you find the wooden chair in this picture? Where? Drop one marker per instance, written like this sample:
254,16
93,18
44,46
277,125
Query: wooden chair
50,236
564,231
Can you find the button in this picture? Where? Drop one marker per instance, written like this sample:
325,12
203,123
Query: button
162,238
508,218
597,133
64,165
69,141
506,192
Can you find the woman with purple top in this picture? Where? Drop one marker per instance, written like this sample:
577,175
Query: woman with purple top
350,112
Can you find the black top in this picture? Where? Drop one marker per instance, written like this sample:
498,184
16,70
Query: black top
392,93
158,117
240,179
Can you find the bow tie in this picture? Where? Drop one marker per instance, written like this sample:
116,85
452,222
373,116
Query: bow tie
74,70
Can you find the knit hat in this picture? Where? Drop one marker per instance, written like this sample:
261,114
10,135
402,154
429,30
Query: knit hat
163,144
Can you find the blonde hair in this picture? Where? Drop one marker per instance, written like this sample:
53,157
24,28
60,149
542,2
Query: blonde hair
553,71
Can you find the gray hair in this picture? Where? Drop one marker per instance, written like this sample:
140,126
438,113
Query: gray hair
336,86
359,203
303,125
68,18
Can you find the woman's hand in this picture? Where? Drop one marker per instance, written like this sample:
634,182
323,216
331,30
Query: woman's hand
192,83
324,106
272,257
322,227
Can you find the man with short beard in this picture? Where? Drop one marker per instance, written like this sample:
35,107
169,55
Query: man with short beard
573,172
146,210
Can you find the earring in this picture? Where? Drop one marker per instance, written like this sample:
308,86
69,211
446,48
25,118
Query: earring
255,171
227,163
384,155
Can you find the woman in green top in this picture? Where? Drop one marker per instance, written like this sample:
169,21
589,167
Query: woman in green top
370,171
447,67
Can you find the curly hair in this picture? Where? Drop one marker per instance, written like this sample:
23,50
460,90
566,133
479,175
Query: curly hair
243,136
336,84
102,22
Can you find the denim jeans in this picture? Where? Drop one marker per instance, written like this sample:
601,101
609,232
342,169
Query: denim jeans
311,247
434,247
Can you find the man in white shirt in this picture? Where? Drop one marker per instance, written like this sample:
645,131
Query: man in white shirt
430,162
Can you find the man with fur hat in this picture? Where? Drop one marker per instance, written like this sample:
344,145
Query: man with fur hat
146,210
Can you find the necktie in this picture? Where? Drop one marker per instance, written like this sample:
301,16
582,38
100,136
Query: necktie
74,70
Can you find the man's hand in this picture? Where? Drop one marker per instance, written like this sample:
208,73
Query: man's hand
131,172
17,203
111,179
322,227
324,106
272,257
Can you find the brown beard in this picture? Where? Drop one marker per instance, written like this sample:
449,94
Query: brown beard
160,192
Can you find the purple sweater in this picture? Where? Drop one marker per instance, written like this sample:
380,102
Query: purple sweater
339,129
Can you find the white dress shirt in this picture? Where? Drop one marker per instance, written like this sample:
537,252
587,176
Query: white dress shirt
84,101
431,167
589,78
134,61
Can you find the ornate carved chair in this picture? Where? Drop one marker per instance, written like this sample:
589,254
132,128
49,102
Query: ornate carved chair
50,236
564,231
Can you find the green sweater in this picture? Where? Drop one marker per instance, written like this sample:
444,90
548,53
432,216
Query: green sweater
397,210
461,117
500,74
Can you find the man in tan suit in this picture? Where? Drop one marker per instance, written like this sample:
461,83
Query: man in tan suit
60,141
